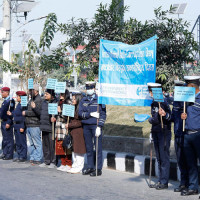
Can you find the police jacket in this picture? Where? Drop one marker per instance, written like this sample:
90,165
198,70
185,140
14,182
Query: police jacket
89,104
45,118
193,115
32,119
4,108
18,118
155,119
176,118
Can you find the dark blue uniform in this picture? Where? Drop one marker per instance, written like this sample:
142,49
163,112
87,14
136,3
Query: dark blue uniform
179,141
20,137
161,138
192,141
7,142
87,105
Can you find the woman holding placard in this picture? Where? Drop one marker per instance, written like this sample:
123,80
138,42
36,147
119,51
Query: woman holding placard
48,144
64,154
76,130
19,129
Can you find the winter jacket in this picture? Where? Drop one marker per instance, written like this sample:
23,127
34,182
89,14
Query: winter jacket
32,119
45,118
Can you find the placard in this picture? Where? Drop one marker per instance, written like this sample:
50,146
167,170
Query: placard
68,110
53,108
158,94
24,101
60,87
186,94
51,83
30,83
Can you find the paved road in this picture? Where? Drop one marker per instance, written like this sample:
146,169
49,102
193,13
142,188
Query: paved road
22,181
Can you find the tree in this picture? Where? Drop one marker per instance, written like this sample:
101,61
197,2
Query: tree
175,44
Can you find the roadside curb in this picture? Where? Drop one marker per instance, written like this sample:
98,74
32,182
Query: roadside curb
137,164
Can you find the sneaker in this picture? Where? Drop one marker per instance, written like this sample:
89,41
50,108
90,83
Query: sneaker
61,167
52,166
43,165
16,160
66,168
74,170
35,162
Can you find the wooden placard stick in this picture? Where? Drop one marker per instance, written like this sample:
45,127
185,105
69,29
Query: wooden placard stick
161,119
53,130
184,110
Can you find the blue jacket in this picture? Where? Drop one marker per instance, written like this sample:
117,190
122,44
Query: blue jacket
155,119
193,115
18,118
176,118
4,108
88,105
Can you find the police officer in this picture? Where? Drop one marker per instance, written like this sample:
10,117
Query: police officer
161,137
93,117
19,129
179,141
192,136
7,125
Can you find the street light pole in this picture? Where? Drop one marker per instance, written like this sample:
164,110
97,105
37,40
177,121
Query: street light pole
6,42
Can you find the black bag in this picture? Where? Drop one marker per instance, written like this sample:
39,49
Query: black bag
67,141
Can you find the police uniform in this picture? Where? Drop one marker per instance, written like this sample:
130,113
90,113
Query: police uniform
7,142
87,106
20,137
161,138
179,141
192,138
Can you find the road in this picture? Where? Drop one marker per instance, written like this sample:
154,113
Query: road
22,181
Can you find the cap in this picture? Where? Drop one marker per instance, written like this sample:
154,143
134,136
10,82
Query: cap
5,89
21,93
192,79
51,92
178,83
90,85
36,87
153,85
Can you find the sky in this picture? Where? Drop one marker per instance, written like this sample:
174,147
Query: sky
66,9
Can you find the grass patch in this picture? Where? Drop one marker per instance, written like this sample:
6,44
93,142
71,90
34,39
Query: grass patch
120,121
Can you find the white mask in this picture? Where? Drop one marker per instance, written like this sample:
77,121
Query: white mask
90,92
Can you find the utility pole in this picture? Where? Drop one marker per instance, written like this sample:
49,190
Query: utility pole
6,42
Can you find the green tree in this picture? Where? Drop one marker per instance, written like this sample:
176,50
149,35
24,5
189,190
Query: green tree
175,44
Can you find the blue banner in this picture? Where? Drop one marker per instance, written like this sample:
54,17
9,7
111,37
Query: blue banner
124,71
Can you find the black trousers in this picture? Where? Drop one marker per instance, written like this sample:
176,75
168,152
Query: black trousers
48,146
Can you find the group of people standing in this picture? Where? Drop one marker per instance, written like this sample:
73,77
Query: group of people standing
46,132
187,141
